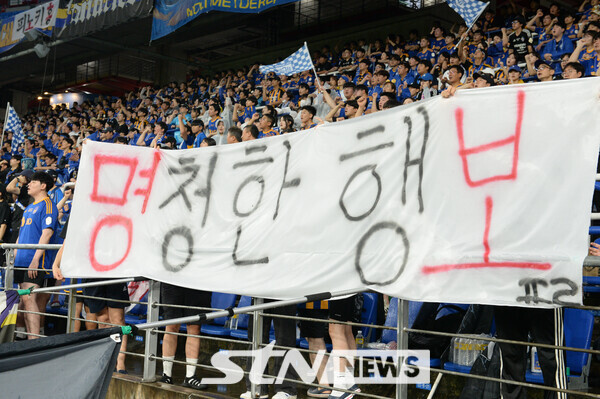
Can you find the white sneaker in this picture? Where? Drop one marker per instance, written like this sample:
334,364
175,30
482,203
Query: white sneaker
283,395
248,395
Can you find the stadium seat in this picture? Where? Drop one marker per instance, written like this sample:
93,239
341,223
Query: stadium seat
579,325
369,315
591,284
241,332
219,301
594,230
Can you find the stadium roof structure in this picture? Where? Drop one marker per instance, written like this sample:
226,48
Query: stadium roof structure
213,41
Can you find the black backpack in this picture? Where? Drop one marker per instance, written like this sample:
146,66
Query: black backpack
427,320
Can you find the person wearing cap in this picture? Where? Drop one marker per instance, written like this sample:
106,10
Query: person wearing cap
514,75
558,46
481,79
108,135
426,86
519,42
38,226
544,71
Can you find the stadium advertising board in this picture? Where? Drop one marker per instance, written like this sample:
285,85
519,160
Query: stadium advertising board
481,198
81,18
170,15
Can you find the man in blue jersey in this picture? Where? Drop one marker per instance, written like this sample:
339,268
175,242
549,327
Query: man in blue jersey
38,226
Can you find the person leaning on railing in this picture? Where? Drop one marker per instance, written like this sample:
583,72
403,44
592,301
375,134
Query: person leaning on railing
106,307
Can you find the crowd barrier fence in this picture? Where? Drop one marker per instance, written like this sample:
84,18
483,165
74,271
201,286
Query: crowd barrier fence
153,324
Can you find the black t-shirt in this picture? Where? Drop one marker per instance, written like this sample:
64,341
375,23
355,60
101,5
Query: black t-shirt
519,44
63,233
5,218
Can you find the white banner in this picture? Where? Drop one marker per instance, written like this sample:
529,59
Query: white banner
40,17
481,198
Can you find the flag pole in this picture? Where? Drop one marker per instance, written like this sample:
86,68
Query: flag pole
475,20
312,64
4,125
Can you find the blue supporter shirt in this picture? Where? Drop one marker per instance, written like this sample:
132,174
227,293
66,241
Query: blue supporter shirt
269,133
37,217
426,54
591,65
437,45
308,79
211,128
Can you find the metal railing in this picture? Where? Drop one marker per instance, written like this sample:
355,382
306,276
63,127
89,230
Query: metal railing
153,331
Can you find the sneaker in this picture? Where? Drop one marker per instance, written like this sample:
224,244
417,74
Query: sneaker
283,395
345,395
193,382
318,392
165,379
248,395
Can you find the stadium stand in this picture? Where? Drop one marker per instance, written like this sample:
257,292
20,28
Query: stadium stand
356,79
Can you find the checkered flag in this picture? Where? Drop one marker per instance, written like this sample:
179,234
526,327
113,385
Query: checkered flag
469,10
298,62
13,124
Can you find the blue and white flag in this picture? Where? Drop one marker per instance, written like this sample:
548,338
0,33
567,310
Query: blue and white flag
298,62
13,124
469,10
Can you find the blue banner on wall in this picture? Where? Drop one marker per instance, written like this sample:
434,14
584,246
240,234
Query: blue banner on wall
170,15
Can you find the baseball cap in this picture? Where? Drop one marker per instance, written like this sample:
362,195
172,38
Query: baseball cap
515,68
520,19
108,130
538,63
488,78
27,173
415,85
427,77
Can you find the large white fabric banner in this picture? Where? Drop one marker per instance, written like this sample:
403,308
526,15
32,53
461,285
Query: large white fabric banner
481,198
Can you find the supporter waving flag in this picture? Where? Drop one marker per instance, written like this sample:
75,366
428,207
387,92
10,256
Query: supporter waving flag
300,61
469,10
13,124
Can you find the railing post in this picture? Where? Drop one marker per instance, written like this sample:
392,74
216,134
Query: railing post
9,276
402,340
256,339
71,311
151,341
